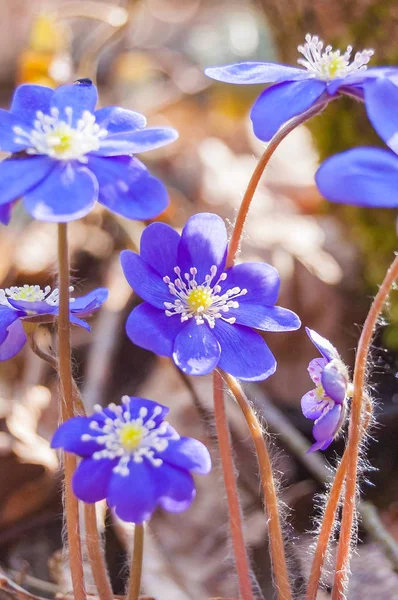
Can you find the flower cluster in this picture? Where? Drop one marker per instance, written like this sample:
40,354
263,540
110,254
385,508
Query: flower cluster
133,458
31,303
326,404
198,311
326,74
66,155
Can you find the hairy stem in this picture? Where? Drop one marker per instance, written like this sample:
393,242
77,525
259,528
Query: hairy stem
234,511
330,512
133,591
96,554
93,538
356,433
258,171
67,412
277,549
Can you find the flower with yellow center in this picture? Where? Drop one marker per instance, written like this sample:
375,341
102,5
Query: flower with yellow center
202,302
129,439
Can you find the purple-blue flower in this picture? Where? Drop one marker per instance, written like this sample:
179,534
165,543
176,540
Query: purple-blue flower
30,302
326,403
367,176
198,311
133,458
326,74
66,155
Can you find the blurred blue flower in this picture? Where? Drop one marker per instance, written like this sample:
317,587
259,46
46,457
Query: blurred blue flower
326,403
367,176
196,310
30,302
67,155
133,458
326,74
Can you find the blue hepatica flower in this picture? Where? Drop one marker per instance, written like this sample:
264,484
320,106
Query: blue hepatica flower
326,74
326,403
31,303
196,310
133,458
367,176
66,155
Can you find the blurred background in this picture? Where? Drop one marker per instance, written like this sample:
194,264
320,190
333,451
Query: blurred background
149,55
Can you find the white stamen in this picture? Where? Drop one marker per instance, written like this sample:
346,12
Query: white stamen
59,138
154,438
201,301
31,293
328,64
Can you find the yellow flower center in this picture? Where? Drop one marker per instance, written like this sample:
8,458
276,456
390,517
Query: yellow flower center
199,299
131,436
336,65
61,141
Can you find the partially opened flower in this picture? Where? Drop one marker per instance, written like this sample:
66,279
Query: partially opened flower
31,303
66,155
326,403
196,310
326,74
367,176
133,458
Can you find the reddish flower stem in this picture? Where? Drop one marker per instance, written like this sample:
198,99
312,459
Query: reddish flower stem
277,549
258,171
67,412
134,587
234,511
329,517
96,554
356,432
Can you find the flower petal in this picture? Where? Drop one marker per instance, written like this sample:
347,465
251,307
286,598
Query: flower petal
196,351
328,425
135,142
260,279
327,349
68,193
134,497
334,383
19,176
136,404
5,213
203,245
322,445
281,102
8,136
163,262
266,318
116,120
311,406
127,188
315,369
86,305
361,176
91,479
69,436
189,454
7,317
144,280
14,342
150,328
244,353
79,97
175,488
256,72
381,101
79,322
28,99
